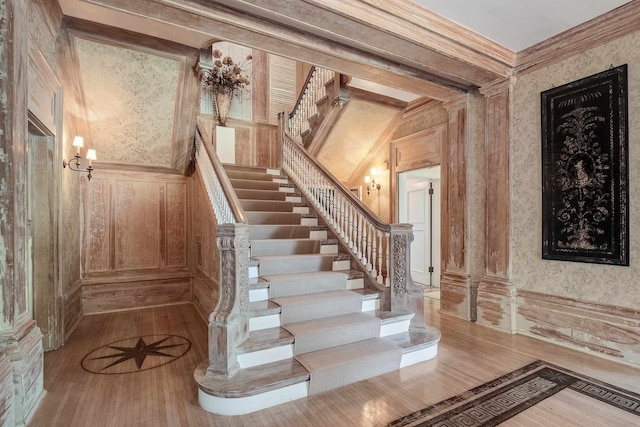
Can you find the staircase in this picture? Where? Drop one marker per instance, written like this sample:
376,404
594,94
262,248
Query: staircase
313,324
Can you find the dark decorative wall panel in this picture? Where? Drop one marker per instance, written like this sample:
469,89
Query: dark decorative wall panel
584,170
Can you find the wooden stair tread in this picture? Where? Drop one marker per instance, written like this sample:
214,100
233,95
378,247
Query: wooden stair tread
390,316
410,341
266,338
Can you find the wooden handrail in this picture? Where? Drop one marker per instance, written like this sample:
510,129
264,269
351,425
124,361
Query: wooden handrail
373,218
230,195
302,92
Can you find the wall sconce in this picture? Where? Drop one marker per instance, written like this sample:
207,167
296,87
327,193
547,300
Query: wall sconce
371,181
78,142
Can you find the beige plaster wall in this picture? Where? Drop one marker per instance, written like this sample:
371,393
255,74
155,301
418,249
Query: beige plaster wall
603,284
130,98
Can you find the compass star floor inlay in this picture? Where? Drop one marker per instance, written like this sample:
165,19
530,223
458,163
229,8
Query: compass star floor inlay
135,354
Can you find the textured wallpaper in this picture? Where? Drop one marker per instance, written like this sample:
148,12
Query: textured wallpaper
130,98
590,282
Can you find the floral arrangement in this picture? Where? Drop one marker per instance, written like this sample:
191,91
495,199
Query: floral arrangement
227,76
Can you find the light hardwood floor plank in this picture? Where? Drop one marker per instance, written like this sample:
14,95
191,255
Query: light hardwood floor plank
167,395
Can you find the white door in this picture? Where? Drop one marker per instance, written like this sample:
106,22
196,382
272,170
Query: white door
422,209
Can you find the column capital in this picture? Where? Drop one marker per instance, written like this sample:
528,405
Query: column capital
497,87
456,102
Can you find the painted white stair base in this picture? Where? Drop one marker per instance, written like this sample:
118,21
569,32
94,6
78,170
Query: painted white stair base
343,264
318,234
392,328
355,283
258,294
412,357
259,323
370,304
257,402
268,355
304,210
310,221
329,249
293,199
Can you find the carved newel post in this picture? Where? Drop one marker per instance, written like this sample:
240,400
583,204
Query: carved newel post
405,294
229,322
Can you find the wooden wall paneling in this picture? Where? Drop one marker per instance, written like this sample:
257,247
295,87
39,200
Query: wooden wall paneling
72,308
496,295
455,291
7,405
137,224
176,224
260,86
19,335
265,140
127,295
601,329
205,295
245,147
98,222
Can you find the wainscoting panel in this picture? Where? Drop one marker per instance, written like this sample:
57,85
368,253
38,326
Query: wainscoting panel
137,224
105,297
607,330
176,220
205,295
99,204
135,247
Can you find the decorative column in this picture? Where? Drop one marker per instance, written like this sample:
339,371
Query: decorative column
20,338
455,282
229,322
406,296
496,295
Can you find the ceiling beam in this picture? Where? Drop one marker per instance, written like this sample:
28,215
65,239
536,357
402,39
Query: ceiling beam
377,45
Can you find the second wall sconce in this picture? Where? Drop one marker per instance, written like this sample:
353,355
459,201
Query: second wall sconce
78,142
371,181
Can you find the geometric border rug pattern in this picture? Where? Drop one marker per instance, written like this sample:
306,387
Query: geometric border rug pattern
496,401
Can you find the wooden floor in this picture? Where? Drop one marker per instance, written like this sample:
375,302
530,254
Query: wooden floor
166,396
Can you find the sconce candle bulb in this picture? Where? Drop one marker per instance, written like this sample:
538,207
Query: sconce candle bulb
371,181
78,142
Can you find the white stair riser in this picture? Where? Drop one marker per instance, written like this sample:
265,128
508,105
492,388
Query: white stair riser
287,189
371,304
294,199
246,405
264,322
413,357
261,357
281,180
273,171
258,295
253,272
355,284
329,249
301,209
318,234
312,222
394,328
352,284
341,265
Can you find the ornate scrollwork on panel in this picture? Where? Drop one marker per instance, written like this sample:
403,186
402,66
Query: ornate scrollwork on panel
227,284
243,266
399,279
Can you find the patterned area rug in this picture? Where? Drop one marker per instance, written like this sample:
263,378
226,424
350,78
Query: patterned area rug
496,401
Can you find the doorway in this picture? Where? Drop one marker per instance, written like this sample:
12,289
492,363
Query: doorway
42,253
419,205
